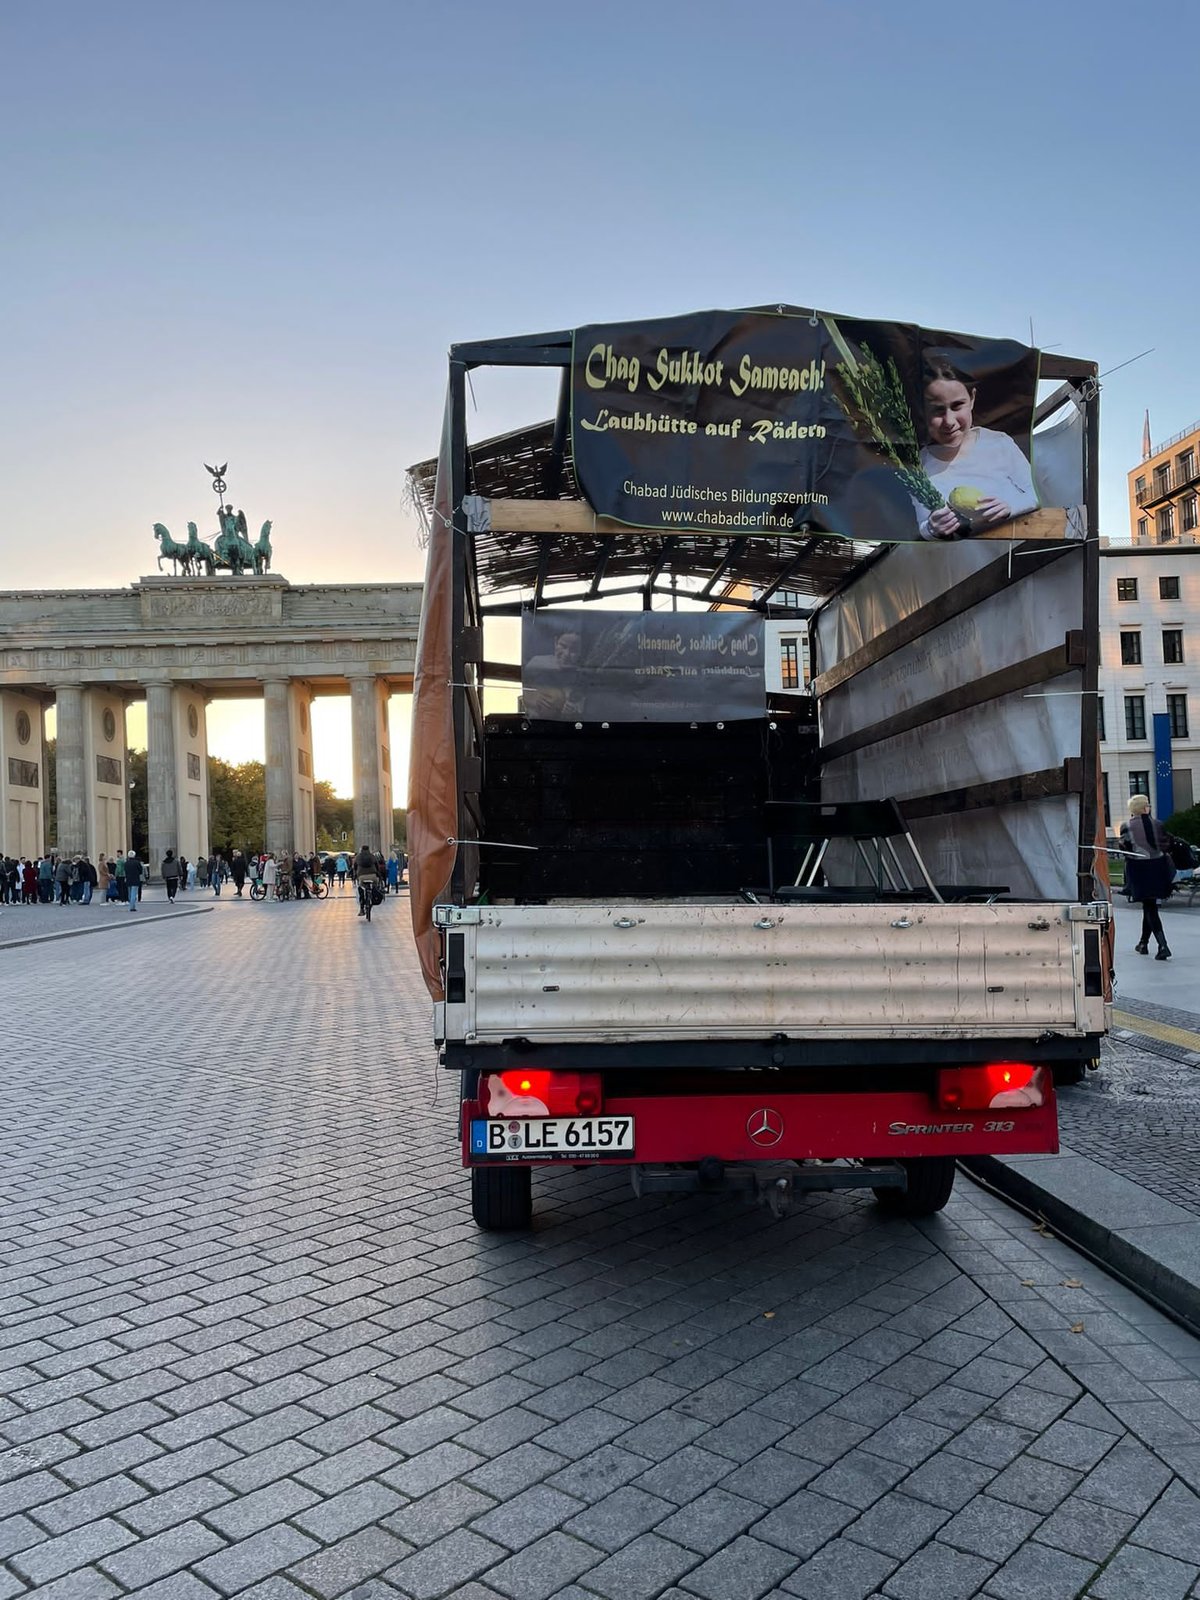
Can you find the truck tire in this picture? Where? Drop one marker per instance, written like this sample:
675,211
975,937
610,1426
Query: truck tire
501,1197
930,1180
1067,1073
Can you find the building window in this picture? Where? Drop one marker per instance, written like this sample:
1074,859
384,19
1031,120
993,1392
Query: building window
789,663
1139,485
1188,519
1139,783
1166,523
1100,718
1143,528
1173,646
1126,588
1168,588
1131,648
1162,478
1177,712
1135,720
1185,467
1107,808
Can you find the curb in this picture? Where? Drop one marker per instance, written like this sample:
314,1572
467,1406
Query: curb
1157,1254
81,933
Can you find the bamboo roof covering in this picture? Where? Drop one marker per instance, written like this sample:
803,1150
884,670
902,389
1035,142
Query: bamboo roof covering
523,465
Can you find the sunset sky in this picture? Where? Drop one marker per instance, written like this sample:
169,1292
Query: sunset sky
248,233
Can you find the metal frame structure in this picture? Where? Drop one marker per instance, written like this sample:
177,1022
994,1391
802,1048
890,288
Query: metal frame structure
766,564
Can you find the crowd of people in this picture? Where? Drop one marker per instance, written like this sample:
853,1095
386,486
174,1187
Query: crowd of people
54,879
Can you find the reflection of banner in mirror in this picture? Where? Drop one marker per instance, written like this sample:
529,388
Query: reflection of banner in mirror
741,422
642,666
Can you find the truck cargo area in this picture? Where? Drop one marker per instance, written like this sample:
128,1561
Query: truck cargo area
834,940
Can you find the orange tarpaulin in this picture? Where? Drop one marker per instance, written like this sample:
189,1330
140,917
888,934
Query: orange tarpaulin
433,779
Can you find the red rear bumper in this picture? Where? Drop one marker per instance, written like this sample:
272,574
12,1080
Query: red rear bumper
801,1127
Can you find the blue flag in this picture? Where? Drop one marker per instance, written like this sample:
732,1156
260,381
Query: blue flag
1164,780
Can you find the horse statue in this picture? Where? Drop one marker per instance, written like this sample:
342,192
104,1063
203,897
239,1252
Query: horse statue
232,549
262,551
199,553
170,550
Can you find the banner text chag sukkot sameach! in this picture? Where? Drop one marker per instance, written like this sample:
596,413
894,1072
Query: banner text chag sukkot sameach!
750,422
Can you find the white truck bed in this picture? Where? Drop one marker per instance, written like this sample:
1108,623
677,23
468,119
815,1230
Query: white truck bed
591,972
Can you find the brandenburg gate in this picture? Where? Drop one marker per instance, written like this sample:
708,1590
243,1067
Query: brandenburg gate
179,643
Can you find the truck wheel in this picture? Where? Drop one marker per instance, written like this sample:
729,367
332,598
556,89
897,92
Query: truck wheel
1067,1073
930,1180
501,1197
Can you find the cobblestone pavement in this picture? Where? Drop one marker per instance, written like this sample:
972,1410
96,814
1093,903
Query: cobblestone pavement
35,922
1139,1116
252,1344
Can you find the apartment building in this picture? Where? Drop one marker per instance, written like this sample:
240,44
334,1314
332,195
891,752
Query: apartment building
1150,637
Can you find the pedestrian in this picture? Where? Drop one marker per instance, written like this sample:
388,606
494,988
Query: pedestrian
202,871
191,874
216,873
270,874
184,866
62,880
341,867
122,886
29,883
238,871
170,876
300,876
393,873
1149,871
133,879
89,877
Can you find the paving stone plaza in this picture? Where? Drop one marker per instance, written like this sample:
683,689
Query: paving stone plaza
253,1345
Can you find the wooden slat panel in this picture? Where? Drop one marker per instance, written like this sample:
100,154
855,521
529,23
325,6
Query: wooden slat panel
1044,785
1008,680
576,516
972,591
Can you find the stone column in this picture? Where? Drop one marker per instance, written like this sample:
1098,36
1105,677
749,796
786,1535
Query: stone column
372,772
22,775
72,811
303,811
280,765
162,800
191,772
364,734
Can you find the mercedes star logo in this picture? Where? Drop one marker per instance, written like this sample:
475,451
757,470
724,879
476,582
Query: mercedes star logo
764,1127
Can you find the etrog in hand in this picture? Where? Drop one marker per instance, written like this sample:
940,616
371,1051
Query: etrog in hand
965,500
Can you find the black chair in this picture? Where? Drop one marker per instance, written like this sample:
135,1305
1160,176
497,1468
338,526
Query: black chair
883,846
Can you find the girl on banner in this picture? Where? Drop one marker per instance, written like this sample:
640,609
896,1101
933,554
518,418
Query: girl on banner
981,474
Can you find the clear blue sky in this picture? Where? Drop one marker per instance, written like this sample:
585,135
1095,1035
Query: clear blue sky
249,231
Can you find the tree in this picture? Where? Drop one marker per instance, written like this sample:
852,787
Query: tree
136,762
1185,824
237,805
334,815
50,768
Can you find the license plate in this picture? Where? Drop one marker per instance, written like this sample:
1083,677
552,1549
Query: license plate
552,1138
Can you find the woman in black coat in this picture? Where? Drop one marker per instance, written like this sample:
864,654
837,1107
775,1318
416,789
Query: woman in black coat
1149,871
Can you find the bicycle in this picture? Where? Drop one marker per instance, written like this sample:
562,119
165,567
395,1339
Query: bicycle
366,896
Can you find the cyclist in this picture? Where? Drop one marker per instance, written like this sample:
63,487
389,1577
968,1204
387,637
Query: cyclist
367,875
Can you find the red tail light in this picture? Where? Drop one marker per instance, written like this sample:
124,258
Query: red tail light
530,1092
999,1084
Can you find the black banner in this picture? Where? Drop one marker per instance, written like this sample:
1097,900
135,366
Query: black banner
642,666
760,422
